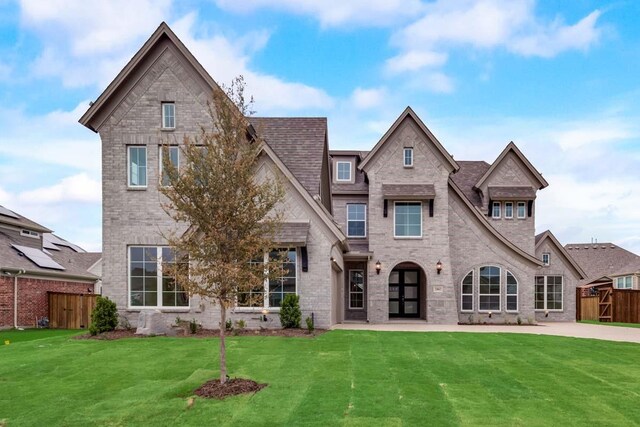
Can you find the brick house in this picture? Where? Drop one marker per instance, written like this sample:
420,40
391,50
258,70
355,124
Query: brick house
34,261
400,231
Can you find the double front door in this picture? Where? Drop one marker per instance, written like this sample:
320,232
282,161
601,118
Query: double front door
404,293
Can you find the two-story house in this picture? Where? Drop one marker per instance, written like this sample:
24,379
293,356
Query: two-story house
400,231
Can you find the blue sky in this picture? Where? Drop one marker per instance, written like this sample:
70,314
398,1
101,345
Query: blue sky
558,78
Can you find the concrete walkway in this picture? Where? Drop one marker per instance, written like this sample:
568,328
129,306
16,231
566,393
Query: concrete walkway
564,329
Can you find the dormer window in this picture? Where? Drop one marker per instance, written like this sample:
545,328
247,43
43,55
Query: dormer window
168,115
496,210
343,171
30,233
408,157
545,258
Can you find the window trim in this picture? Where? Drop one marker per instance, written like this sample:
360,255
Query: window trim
395,204
548,261
160,168
146,161
338,169
545,292
623,278
493,210
364,236
162,104
524,210
506,206
406,150
499,309
363,291
159,282
462,294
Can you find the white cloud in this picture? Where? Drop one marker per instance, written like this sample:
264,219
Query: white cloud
363,99
75,188
225,59
333,13
415,60
588,134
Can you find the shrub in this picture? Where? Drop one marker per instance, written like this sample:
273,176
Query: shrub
241,324
310,325
228,325
104,316
519,320
290,315
193,326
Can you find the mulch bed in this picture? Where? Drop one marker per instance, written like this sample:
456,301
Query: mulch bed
233,387
207,333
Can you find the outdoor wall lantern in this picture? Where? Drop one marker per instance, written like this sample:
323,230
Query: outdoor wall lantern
438,266
378,267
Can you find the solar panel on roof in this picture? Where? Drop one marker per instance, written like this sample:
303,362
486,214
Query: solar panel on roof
38,257
48,243
6,212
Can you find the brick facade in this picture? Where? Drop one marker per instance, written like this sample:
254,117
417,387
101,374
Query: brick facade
32,298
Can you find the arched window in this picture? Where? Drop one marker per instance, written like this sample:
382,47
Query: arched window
489,292
512,292
467,292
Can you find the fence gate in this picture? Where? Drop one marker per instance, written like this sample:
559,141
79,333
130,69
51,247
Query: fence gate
606,314
70,311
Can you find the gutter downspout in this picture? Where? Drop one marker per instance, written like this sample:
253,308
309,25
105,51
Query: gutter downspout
15,294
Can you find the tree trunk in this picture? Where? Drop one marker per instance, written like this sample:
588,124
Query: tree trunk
223,350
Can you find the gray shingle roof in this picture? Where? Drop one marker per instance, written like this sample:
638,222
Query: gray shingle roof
20,221
300,144
294,233
467,177
600,259
408,191
512,193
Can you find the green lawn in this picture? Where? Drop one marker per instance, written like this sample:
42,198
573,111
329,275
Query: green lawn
34,334
626,325
352,378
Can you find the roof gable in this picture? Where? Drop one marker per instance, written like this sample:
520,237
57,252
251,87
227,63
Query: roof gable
548,235
512,148
408,113
100,110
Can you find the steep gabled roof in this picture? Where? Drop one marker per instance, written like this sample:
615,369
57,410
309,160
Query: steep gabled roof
483,220
300,142
511,147
467,176
548,235
408,112
122,79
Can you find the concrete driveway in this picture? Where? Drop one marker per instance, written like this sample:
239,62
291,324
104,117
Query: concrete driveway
564,329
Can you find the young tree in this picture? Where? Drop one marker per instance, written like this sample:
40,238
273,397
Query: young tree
230,215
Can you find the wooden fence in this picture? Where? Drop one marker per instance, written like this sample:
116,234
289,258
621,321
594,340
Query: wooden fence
70,311
609,305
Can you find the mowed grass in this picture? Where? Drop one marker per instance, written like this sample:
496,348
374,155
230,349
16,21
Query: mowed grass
349,378
13,335
626,325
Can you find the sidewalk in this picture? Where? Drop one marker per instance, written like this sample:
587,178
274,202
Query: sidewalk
564,329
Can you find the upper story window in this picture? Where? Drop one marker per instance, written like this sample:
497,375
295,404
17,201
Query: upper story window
407,159
174,158
343,171
625,282
152,283
545,258
522,212
168,115
408,219
356,220
496,210
30,233
137,166
508,209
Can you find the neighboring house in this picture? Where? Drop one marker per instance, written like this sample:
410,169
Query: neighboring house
606,265
34,261
401,231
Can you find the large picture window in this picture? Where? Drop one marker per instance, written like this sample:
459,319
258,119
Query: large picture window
152,277
356,289
548,293
272,293
408,219
467,292
137,165
489,294
356,220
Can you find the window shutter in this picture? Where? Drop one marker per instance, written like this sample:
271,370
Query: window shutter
530,207
431,208
305,259
384,210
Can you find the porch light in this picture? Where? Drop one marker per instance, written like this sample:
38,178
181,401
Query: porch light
439,266
378,267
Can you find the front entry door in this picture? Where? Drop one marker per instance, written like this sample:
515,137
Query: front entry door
404,293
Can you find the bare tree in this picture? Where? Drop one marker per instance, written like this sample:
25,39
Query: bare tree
230,215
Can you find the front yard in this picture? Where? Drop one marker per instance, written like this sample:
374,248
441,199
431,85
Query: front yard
354,378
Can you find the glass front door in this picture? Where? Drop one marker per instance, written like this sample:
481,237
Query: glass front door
404,293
